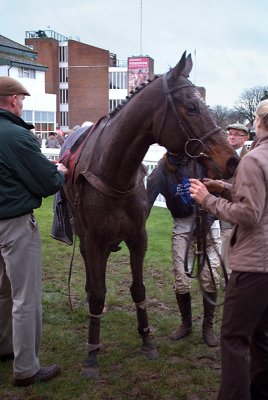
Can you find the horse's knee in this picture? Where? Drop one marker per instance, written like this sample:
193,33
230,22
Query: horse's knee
96,303
137,293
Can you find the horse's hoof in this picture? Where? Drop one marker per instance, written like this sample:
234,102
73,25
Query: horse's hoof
92,373
150,352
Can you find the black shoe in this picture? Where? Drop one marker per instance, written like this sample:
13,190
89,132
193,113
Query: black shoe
44,374
6,357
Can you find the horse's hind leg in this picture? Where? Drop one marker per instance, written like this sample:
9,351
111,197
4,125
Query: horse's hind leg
137,249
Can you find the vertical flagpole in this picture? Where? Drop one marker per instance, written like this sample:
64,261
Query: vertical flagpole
141,31
195,66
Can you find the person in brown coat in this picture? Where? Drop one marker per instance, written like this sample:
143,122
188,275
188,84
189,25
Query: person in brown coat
244,331
237,135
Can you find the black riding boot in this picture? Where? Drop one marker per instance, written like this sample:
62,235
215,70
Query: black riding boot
184,303
208,322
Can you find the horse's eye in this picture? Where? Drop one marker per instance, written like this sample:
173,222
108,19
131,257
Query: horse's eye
191,107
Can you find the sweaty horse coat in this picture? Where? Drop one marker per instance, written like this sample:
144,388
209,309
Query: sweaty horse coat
107,193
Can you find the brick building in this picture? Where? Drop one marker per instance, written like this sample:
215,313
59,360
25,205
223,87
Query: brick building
77,73
19,62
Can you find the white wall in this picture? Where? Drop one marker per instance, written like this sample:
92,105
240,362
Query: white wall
39,99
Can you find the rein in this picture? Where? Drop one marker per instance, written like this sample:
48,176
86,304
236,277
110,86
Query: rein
200,230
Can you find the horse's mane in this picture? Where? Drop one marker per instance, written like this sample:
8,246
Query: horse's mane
132,94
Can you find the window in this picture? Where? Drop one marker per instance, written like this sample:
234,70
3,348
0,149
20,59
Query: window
118,80
64,96
114,103
26,73
44,116
63,53
44,128
43,121
27,116
64,118
63,75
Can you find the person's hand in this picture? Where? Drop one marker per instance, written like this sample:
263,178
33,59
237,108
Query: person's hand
198,190
213,186
62,168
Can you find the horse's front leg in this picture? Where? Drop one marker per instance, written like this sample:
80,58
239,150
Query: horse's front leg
137,249
91,365
95,262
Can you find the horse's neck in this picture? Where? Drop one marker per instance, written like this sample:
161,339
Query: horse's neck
124,145
120,143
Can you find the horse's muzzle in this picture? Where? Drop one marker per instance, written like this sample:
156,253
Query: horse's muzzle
230,167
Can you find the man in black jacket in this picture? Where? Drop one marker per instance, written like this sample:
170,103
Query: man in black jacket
170,178
26,176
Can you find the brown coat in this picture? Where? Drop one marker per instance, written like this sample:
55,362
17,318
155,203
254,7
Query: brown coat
248,211
224,224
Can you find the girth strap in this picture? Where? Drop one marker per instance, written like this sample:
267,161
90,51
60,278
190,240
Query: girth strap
98,184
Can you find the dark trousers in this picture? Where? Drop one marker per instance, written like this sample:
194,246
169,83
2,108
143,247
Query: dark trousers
244,338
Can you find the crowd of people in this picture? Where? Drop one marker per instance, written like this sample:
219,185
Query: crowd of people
239,206
55,140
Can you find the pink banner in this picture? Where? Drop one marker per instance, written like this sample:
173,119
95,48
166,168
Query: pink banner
138,71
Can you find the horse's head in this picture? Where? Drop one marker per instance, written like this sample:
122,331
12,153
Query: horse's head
186,125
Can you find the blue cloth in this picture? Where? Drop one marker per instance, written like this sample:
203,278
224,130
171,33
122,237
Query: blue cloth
182,190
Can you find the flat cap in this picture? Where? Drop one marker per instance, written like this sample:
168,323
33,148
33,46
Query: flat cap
239,127
10,86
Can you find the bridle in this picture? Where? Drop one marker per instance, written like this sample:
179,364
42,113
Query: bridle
190,135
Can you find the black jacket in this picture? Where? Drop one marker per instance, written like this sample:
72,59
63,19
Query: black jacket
165,179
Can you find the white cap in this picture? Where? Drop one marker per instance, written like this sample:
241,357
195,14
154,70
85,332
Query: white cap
87,123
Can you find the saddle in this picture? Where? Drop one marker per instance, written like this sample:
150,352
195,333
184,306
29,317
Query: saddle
71,151
62,220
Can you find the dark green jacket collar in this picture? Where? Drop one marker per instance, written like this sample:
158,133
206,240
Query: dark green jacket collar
5,114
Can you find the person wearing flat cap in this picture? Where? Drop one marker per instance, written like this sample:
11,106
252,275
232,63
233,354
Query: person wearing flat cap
237,135
26,176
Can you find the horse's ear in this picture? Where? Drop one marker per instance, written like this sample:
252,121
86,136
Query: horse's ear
183,67
188,66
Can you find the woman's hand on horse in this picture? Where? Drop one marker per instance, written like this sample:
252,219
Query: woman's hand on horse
198,190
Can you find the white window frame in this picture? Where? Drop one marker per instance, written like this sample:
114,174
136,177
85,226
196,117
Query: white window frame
26,73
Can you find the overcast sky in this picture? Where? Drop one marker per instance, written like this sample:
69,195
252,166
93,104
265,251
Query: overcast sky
230,36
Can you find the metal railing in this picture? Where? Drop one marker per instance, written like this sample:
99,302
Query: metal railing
51,154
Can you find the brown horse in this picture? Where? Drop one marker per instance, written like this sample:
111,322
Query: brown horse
107,193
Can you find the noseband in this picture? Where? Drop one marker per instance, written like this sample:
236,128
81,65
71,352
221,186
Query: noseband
190,135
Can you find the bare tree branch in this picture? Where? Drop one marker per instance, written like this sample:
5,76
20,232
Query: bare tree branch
249,100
